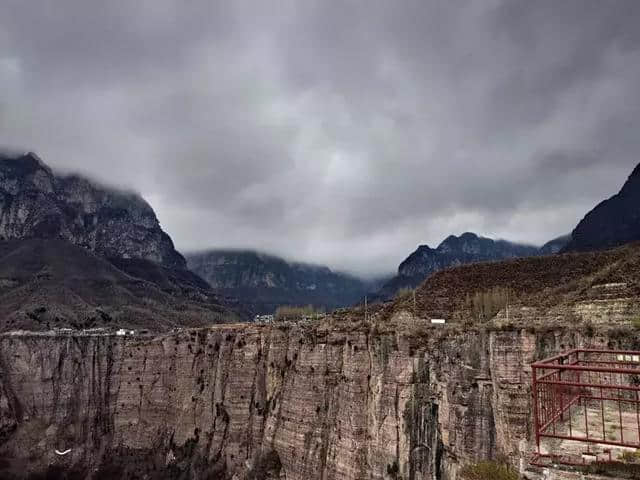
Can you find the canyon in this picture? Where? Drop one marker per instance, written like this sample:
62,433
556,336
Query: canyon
388,396
320,240
370,392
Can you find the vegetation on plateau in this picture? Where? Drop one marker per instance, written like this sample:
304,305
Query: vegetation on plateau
489,471
290,313
405,292
486,304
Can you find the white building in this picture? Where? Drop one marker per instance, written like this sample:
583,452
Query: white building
263,319
122,332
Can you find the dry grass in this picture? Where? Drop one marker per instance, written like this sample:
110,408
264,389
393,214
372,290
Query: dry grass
289,312
545,282
489,471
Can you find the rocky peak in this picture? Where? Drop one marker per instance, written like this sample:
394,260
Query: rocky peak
23,164
632,185
466,248
613,222
454,250
467,242
25,171
36,203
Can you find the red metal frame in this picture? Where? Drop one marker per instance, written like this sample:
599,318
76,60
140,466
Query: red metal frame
569,385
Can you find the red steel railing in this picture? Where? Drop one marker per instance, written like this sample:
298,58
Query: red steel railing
588,395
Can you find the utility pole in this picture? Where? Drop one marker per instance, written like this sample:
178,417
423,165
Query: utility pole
365,308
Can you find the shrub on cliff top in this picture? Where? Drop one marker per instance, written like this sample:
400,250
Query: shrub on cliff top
618,470
287,312
486,304
630,457
489,471
405,292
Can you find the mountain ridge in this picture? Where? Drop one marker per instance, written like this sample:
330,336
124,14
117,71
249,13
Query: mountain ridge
454,251
612,222
266,281
35,202
51,283
75,254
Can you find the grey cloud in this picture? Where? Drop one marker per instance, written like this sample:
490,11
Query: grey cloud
343,133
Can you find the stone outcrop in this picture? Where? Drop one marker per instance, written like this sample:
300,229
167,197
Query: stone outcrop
35,202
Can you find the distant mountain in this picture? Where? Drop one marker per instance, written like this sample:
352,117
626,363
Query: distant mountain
51,283
467,248
613,222
75,254
36,203
263,282
555,246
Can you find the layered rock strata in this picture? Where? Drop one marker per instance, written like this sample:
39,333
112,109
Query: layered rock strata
37,203
342,401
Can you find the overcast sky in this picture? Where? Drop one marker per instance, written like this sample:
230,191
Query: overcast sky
338,132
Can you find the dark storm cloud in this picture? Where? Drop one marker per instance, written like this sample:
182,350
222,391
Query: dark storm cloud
338,132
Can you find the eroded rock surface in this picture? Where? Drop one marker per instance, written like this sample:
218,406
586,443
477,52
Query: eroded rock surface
35,202
347,401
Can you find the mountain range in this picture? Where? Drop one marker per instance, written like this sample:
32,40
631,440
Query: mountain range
120,267
613,222
454,251
263,282
74,254
35,202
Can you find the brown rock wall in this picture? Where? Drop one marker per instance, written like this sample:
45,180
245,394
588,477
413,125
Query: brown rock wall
299,402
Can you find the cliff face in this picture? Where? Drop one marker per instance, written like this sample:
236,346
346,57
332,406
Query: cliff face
34,202
324,402
76,255
263,282
386,397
